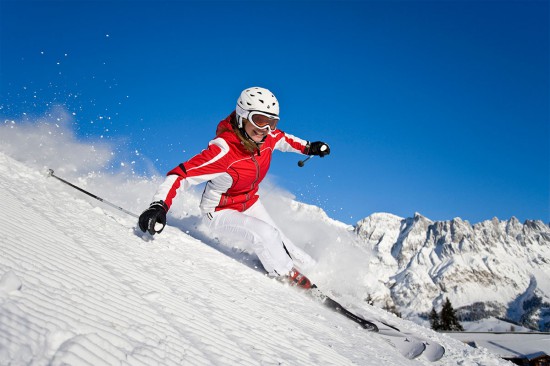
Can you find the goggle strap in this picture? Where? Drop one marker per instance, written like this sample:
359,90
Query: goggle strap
241,111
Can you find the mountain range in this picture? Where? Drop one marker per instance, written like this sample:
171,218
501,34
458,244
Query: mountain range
492,268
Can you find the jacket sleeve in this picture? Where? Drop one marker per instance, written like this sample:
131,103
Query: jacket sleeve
288,143
203,167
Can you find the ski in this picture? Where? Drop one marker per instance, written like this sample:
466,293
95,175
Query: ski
332,304
410,346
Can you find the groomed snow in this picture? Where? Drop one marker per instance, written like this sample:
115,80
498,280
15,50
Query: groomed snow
79,285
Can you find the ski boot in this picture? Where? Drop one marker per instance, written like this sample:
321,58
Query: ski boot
297,279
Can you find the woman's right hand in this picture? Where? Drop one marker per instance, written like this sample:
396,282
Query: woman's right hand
153,219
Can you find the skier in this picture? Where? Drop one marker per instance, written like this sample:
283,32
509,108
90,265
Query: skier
233,165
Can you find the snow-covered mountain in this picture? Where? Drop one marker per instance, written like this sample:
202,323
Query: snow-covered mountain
493,268
80,285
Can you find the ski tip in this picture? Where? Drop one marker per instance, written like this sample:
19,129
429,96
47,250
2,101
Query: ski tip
390,326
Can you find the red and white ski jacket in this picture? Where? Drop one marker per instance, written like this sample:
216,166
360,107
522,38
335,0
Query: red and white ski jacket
232,173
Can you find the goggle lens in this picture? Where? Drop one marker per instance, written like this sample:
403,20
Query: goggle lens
262,121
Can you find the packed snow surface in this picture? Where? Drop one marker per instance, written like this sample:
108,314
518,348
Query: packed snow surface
80,285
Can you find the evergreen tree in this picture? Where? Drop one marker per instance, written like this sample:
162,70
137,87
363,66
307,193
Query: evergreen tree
435,322
449,321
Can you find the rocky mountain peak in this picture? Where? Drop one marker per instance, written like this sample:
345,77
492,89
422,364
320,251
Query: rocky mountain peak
493,263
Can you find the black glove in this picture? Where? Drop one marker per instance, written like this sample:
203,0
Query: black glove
318,148
150,219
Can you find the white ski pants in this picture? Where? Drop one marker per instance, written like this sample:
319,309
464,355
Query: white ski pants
255,226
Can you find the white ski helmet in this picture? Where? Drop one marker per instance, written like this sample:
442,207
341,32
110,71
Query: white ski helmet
256,99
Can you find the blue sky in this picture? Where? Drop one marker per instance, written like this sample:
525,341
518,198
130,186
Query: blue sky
436,107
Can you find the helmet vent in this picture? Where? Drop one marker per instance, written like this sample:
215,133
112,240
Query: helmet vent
261,101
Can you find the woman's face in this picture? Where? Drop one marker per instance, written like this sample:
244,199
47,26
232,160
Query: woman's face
256,134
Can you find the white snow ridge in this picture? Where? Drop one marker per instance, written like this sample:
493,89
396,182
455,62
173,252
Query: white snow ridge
79,285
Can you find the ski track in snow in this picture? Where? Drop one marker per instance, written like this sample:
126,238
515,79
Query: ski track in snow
79,285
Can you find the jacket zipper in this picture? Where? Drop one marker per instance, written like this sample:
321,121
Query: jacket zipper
254,182
257,172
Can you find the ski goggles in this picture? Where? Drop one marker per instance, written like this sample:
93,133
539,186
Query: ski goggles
259,119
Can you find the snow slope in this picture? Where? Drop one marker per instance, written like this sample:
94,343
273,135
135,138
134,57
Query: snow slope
79,285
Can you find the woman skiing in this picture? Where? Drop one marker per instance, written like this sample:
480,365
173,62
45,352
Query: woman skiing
233,165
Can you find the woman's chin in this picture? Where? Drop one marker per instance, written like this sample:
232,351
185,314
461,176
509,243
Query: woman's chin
258,138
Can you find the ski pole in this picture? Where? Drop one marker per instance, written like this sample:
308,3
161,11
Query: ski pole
50,174
302,162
